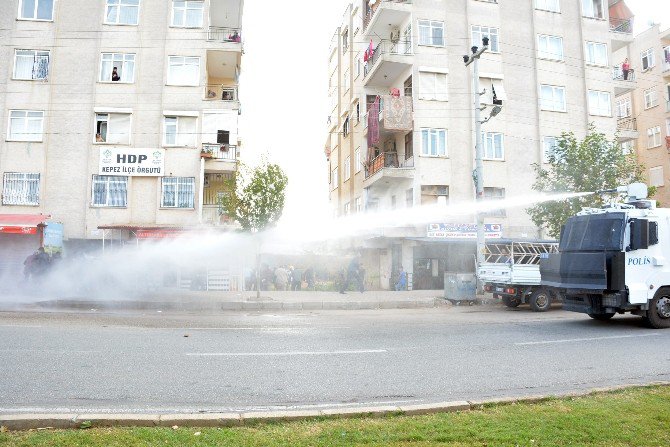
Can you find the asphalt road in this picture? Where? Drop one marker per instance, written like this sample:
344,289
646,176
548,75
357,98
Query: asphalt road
150,363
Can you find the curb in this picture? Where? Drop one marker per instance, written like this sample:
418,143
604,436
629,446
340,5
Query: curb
22,422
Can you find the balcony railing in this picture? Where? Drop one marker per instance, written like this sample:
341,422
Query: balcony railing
399,47
226,152
387,160
216,92
370,13
629,124
222,34
621,25
619,75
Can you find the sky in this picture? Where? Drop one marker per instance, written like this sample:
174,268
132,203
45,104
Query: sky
284,89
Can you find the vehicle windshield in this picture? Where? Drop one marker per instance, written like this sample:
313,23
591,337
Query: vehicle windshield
593,233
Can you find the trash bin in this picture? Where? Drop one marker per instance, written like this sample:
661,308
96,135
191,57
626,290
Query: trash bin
460,288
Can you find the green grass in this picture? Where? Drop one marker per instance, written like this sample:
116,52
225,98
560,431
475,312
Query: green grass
633,417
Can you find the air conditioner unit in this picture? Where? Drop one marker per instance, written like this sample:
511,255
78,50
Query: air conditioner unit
395,35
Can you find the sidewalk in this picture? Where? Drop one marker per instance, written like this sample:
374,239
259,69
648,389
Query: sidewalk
170,300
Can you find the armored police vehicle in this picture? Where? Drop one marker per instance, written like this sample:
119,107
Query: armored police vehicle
615,260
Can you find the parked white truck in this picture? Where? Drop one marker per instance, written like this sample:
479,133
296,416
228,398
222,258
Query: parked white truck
511,272
615,260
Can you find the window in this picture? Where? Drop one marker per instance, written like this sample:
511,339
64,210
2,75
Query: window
495,194
493,146
358,204
21,189
432,86
434,142
650,98
345,41
408,86
345,128
122,12
358,161
628,147
548,5
183,70
345,80
600,103
347,208
109,191
25,125
493,91
112,128
409,198
549,145
656,176
180,131
552,98
187,14
653,137
593,8
359,65
596,53
623,108
479,32
347,169
178,192
431,194
431,33
336,178
550,47
36,9
117,67
648,59
409,145
31,65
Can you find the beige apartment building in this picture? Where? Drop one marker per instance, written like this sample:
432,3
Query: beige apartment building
120,118
644,110
548,66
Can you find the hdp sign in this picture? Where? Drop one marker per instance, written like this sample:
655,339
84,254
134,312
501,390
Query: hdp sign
132,162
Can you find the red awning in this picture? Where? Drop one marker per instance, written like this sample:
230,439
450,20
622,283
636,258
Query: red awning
22,223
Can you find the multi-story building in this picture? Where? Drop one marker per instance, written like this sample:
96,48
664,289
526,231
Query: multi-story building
548,65
643,108
120,117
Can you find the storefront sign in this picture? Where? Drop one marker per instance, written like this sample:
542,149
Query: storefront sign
158,234
132,162
18,230
463,231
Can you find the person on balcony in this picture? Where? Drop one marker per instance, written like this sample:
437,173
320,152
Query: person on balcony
625,68
115,75
235,37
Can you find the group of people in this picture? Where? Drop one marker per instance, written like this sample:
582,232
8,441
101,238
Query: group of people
283,278
38,264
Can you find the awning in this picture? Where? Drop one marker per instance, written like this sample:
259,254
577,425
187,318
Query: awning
22,223
156,231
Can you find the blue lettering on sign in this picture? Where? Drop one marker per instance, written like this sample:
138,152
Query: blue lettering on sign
639,261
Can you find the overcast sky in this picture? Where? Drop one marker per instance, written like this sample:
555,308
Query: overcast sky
284,88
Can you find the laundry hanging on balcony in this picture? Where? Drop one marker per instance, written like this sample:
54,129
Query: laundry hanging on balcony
373,123
398,113
369,52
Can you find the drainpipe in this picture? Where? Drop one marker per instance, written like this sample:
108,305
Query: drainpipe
202,189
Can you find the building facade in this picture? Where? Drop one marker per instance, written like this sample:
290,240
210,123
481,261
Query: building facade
643,109
548,66
120,117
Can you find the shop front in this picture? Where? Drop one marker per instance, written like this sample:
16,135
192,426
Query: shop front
20,236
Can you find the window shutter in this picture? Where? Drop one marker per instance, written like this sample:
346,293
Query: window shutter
441,87
426,85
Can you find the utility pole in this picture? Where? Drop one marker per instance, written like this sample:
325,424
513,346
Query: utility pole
479,150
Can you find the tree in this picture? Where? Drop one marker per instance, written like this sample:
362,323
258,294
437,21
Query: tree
256,202
593,164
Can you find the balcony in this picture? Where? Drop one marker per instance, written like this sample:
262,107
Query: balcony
218,92
388,61
387,170
627,129
623,84
225,35
220,157
621,32
385,129
386,16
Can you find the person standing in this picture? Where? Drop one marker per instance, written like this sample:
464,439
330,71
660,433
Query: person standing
354,273
281,278
309,277
115,75
625,68
402,280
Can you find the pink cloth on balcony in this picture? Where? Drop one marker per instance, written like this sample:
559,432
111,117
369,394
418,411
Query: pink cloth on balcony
373,123
398,113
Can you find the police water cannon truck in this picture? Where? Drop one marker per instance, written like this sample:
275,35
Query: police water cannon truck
615,259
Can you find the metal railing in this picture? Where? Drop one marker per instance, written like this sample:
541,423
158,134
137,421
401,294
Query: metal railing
626,124
387,160
216,92
227,152
224,34
400,47
619,75
624,26
370,13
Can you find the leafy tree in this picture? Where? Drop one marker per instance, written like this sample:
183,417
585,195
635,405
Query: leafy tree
257,197
593,164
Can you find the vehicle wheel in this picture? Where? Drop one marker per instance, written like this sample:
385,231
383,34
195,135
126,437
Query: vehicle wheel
601,317
511,301
540,300
658,315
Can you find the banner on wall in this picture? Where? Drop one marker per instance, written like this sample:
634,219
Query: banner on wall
463,231
132,162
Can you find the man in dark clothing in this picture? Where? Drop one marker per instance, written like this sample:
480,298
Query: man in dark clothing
115,75
353,274
309,277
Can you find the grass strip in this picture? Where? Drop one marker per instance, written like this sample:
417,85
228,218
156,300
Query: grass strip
631,417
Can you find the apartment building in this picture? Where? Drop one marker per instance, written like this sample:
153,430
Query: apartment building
643,109
120,118
548,66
